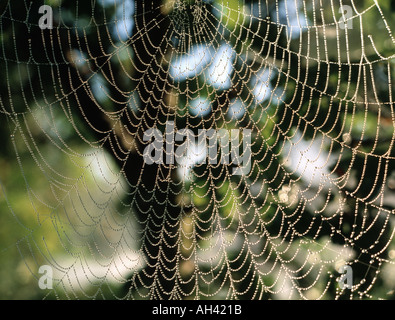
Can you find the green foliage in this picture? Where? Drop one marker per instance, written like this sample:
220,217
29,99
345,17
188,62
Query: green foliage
35,201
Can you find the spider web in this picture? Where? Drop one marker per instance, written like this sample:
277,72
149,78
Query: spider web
311,84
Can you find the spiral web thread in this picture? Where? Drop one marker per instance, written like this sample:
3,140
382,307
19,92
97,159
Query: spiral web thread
317,97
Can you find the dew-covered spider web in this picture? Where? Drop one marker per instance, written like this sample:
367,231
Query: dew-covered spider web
199,149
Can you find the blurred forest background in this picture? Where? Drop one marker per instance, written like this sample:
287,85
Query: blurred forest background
75,194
